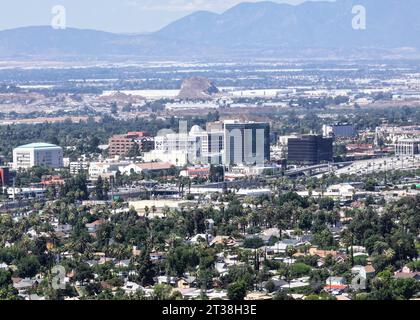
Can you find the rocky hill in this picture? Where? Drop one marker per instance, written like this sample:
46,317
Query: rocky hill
197,88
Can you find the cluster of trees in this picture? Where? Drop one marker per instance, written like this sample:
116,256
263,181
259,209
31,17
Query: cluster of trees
7,292
285,122
390,239
318,103
85,137
385,287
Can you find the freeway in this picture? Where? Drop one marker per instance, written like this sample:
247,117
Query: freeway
310,170
257,185
380,165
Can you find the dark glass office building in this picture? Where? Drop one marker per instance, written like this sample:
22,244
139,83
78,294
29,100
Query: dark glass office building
310,149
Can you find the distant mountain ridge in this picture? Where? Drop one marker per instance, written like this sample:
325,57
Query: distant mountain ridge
390,23
253,29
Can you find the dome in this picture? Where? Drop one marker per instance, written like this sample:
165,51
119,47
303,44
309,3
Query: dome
196,129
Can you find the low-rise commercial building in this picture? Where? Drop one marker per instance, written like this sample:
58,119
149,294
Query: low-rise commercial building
407,147
196,172
26,193
77,167
177,158
38,154
104,170
339,130
146,167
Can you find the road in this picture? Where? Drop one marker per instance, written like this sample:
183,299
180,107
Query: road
380,165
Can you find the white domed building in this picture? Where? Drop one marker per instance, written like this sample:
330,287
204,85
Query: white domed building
38,154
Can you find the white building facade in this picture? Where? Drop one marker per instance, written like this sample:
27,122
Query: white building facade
38,154
339,130
226,142
407,147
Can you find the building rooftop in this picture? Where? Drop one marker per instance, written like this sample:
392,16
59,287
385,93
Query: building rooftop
38,145
154,166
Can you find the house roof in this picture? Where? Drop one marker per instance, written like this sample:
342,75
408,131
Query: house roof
369,269
154,166
342,298
221,239
189,279
322,253
335,287
410,275
95,223
335,279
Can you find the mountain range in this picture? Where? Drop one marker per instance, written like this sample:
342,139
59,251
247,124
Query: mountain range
261,29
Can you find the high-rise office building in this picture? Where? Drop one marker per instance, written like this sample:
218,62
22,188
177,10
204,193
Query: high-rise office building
246,143
224,142
213,143
310,149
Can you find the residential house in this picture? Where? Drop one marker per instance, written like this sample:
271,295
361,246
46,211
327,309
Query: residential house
123,263
277,283
368,272
282,245
187,282
32,297
335,285
22,285
296,283
4,266
94,226
338,256
408,275
221,268
131,287
258,296
167,280
201,237
223,240
157,256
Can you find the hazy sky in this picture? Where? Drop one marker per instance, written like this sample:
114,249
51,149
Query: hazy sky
110,15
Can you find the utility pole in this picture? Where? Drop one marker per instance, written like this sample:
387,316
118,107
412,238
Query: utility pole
14,190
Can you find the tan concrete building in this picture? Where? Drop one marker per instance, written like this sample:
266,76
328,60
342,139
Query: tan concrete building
120,145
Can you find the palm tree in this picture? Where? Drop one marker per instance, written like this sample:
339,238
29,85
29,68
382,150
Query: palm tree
269,215
172,240
154,209
253,218
243,222
166,211
53,239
